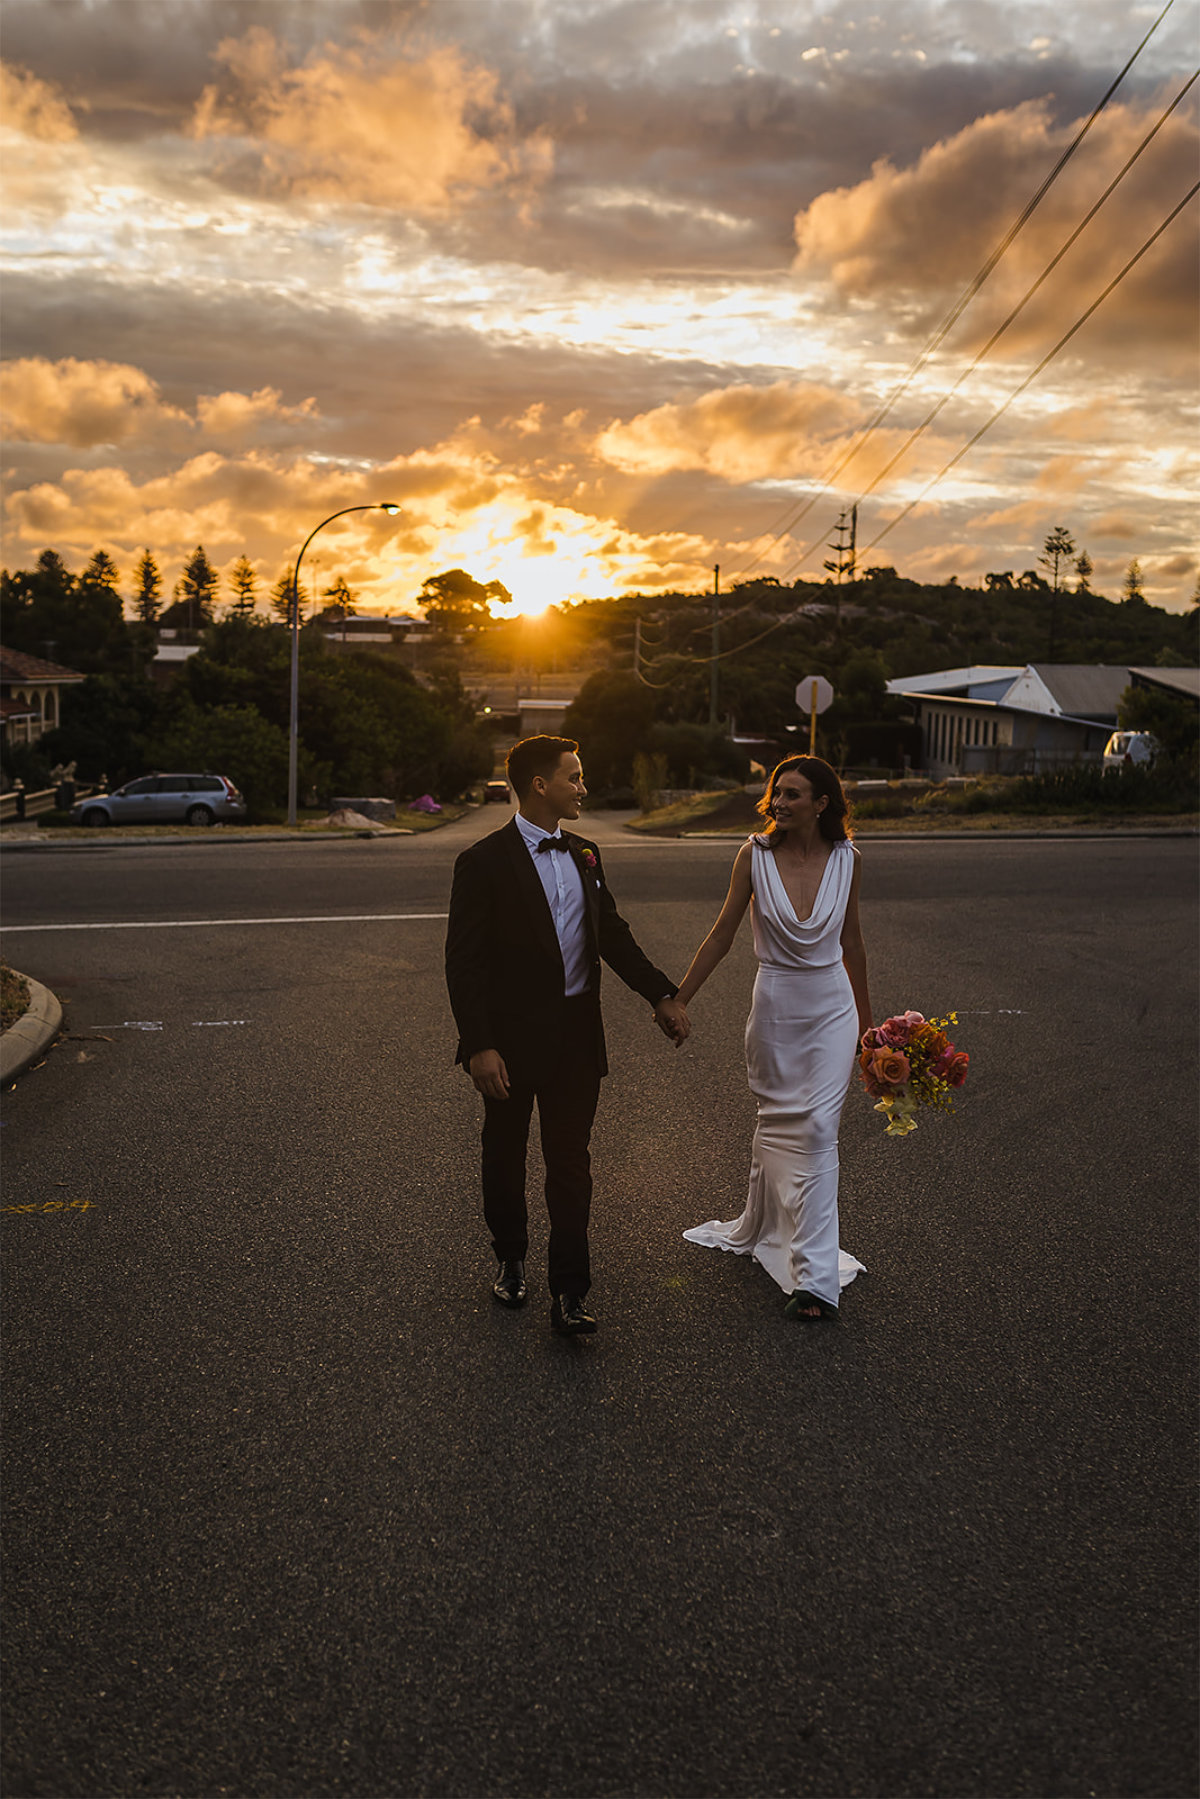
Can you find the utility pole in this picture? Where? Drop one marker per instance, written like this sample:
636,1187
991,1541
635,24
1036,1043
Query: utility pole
844,551
716,641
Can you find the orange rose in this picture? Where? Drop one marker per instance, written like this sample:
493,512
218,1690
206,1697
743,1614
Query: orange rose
890,1068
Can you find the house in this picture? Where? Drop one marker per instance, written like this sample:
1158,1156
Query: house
538,717
1182,683
30,691
1008,720
371,629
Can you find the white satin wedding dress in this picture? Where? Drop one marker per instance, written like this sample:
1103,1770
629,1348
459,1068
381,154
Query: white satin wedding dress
801,1043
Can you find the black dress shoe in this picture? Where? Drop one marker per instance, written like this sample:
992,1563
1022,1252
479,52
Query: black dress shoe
569,1317
509,1287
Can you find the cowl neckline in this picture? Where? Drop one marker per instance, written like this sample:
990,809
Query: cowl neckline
828,901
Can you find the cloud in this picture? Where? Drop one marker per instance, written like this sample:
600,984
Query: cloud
242,418
915,236
81,404
361,125
33,108
462,506
741,433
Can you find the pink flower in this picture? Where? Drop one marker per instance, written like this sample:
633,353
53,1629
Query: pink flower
589,861
913,1020
894,1033
956,1073
871,1039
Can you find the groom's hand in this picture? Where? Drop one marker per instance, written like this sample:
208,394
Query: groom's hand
489,1074
672,1020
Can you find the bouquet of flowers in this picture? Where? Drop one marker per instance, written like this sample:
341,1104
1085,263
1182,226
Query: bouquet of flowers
907,1062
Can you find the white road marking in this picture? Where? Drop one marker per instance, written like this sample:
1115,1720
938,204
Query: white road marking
192,924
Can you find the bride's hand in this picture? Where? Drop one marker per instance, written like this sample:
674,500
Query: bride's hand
672,1020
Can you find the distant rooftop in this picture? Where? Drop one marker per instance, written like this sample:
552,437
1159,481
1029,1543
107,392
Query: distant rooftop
15,665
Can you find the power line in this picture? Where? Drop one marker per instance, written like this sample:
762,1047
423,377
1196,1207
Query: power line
1034,373
789,618
1029,293
793,517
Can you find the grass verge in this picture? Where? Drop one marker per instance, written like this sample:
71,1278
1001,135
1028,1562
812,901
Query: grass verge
914,810
14,996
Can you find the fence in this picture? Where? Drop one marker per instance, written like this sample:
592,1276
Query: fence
18,804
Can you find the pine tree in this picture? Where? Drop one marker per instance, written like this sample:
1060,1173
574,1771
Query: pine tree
244,582
281,598
339,599
195,594
1083,572
147,595
1132,591
1058,548
101,572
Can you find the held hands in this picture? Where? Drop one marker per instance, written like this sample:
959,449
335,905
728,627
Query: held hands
672,1020
489,1074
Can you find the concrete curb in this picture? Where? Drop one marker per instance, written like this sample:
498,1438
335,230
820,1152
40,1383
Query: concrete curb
16,846
33,1033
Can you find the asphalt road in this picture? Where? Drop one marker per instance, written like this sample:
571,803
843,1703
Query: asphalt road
294,1509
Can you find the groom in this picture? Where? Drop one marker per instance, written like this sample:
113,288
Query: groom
531,918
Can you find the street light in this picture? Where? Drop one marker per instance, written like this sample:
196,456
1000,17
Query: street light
294,722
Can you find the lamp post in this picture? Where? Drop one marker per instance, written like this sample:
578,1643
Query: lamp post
294,720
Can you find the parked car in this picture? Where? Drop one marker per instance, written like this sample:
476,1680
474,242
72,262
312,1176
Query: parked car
496,790
164,799
1131,749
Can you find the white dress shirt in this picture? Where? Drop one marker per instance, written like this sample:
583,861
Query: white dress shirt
563,887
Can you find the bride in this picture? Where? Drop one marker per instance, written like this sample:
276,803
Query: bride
810,1009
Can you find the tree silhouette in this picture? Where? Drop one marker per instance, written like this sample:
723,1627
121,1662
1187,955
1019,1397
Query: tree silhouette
339,598
1132,591
455,599
244,582
1058,548
147,594
195,594
281,598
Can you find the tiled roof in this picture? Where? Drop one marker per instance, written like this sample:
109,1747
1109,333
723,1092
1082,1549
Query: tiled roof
15,665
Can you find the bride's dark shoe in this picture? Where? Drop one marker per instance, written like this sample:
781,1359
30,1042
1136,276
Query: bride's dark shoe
809,1309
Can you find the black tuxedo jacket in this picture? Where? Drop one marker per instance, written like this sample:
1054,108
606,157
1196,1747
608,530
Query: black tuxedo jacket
504,968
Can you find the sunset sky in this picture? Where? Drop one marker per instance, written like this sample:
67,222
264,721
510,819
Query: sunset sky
599,291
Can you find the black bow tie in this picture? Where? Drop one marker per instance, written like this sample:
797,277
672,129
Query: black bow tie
552,843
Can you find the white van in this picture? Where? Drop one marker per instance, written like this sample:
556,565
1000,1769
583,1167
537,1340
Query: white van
1130,749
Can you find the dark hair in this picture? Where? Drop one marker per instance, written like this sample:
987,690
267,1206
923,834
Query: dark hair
834,821
536,756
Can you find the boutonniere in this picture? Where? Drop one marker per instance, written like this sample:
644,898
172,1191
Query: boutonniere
588,859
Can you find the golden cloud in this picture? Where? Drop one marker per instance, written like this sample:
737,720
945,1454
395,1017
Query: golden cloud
360,126
34,108
80,404
235,417
741,433
85,404
922,232
460,509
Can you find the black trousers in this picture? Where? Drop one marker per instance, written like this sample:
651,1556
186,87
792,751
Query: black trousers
566,1101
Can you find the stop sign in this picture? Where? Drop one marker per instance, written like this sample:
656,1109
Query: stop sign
814,694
